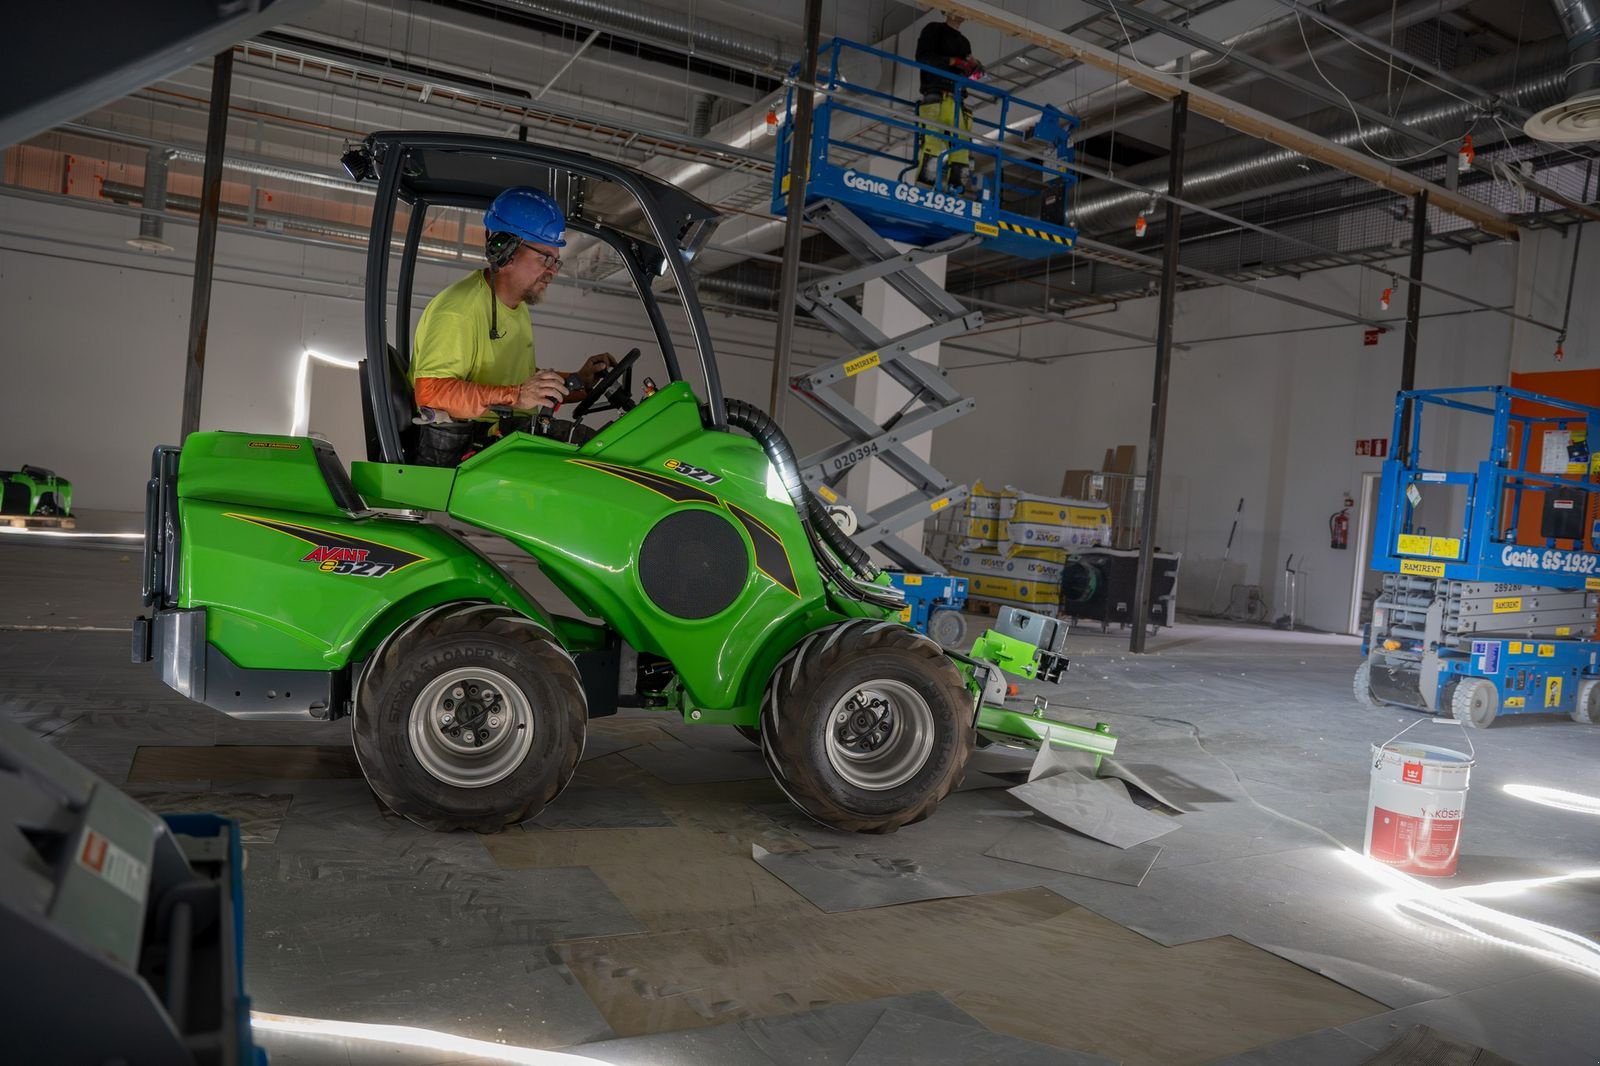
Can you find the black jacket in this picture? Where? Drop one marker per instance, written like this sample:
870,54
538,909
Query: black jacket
937,45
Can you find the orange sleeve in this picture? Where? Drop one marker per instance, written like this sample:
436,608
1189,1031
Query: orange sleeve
462,399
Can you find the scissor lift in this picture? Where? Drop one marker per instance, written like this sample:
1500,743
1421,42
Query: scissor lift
1489,618
860,132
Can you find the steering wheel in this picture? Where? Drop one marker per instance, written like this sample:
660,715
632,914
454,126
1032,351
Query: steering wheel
615,389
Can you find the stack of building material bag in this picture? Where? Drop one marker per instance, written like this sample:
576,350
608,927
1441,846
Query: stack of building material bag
1017,543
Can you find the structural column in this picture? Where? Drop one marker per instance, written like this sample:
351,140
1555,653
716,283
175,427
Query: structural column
1163,373
799,172
1408,362
205,249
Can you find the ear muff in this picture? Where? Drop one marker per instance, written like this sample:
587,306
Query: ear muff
498,248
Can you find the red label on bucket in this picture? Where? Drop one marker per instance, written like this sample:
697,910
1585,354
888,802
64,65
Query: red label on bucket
1415,845
1412,772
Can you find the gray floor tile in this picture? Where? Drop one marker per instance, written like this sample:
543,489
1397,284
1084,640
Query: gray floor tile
596,806
904,1039
1098,808
837,881
1325,1047
1038,844
683,765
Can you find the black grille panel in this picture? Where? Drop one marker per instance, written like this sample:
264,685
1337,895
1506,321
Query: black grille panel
693,564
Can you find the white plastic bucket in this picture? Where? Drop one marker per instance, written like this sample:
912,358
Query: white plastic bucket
1415,807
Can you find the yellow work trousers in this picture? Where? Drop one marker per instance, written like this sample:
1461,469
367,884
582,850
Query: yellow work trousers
943,111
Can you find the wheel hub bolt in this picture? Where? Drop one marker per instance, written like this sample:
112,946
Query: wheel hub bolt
459,693
446,718
494,721
468,736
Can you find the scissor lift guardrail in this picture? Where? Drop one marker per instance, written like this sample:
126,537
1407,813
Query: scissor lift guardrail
862,213
1488,619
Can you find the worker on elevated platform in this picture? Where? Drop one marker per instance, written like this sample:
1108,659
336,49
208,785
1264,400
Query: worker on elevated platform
943,46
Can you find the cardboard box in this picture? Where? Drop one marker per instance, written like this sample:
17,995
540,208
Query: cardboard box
1075,484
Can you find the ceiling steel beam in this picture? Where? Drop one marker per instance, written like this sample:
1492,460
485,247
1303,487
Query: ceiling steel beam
1233,114
1113,254
1326,94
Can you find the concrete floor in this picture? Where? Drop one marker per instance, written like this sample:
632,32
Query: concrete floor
632,923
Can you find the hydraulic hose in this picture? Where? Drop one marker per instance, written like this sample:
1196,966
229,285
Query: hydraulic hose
760,425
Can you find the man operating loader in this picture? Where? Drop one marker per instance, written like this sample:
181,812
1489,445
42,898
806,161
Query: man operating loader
474,342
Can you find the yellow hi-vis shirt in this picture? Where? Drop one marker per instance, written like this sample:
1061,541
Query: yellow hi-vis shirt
453,339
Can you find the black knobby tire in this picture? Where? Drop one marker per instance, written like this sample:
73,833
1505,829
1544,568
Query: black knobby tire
543,698
1362,686
877,662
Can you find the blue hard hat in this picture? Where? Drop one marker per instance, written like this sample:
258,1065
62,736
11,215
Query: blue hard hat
528,213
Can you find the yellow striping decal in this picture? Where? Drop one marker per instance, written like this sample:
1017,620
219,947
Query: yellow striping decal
986,229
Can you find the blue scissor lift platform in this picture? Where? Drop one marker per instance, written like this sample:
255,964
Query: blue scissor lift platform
865,141
1482,615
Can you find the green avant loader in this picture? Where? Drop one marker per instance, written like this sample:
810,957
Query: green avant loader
283,586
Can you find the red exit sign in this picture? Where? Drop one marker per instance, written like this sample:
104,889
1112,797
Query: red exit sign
1375,446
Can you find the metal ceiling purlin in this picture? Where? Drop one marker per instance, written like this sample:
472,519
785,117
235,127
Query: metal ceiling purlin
1113,253
1232,114
512,105
1266,69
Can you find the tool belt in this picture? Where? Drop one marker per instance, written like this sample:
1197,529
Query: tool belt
452,443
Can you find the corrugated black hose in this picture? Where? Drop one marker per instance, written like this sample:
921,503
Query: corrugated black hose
760,425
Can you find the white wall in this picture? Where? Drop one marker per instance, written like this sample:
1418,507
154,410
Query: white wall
1272,418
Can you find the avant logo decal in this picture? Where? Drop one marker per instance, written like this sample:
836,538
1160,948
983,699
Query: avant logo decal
353,561
694,473
337,553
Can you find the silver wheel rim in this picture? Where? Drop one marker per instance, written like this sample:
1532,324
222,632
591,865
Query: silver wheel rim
470,727
879,735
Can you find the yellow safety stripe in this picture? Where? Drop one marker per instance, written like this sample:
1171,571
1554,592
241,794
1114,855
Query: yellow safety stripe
1012,227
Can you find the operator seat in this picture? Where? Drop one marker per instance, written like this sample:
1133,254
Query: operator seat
402,409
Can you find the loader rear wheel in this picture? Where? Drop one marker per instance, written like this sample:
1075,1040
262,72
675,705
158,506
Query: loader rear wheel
472,719
1586,710
866,726
1475,702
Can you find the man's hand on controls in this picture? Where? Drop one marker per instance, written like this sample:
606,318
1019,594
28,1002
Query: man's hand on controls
544,389
595,367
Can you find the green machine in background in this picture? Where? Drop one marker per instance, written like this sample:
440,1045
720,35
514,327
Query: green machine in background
284,587
35,492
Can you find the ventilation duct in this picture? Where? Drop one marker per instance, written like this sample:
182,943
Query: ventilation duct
151,237
731,44
1576,118
1242,166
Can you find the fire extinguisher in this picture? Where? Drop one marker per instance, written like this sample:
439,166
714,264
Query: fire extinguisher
1339,526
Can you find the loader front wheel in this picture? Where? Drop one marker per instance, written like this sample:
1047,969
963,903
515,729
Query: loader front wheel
472,719
867,725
